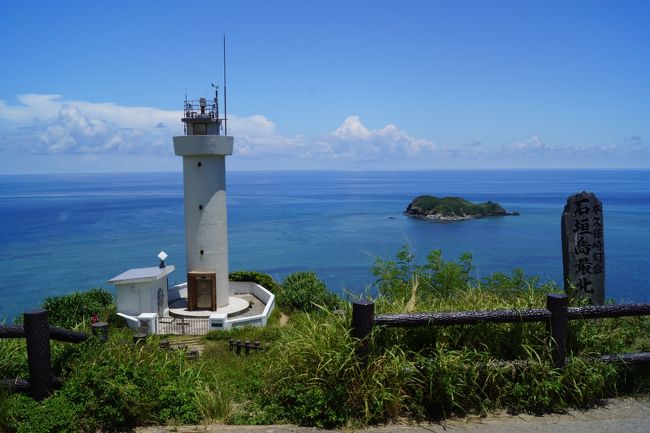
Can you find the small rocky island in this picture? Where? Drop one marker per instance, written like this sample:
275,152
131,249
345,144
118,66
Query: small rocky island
448,209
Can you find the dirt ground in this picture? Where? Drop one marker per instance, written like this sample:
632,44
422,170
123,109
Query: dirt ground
616,415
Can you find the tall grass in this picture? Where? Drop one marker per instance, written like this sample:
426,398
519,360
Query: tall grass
70,311
13,358
119,384
314,377
310,374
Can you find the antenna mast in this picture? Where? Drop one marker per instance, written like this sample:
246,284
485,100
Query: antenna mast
225,103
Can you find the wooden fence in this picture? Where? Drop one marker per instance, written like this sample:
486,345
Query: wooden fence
37,332
557,314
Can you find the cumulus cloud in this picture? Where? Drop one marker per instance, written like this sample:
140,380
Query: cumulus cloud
53,125
49,124
71,132
257,136
353,140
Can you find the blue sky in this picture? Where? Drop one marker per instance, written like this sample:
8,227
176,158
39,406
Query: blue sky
353,85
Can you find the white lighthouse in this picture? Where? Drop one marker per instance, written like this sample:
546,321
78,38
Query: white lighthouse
208,301
204,150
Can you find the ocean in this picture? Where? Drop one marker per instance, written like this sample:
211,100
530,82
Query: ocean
60,233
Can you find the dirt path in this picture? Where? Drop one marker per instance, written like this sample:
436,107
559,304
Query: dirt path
618,415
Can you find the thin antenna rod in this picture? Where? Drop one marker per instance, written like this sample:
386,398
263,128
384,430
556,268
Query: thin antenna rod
225,98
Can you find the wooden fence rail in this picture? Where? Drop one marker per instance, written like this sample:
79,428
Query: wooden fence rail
557,314
38,333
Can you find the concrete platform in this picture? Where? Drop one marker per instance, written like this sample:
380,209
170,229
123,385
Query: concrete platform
236,305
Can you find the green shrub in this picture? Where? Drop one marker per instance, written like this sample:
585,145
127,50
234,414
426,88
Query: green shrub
314,377
118,385
260,278
53,415
5,409
304,291
309,373
134,384
435,278
74,309
458,382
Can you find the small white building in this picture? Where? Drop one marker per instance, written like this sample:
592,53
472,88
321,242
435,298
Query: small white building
142,290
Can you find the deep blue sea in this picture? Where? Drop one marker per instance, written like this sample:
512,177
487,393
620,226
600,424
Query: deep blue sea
60,233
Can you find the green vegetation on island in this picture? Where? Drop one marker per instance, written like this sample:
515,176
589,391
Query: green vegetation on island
452,209
309,374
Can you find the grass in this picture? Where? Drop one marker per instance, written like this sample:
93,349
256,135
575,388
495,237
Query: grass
309,373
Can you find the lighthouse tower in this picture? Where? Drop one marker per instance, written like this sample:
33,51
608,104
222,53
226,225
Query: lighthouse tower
204,150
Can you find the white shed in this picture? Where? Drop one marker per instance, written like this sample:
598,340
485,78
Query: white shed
142,290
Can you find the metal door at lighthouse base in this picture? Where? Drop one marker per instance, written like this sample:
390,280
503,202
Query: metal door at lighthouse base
201,291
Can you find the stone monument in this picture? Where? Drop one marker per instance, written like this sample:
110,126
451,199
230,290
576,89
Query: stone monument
583,249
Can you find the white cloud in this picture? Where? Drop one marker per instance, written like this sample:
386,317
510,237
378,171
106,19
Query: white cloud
71,132
352,140
49,124
532,144
257,136
36,106
535,150
53,125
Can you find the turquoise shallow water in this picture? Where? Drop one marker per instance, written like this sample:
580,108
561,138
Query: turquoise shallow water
60,233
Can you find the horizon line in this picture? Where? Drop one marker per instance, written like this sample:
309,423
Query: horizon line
325,170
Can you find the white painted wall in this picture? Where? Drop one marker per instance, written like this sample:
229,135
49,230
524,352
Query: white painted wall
134,299
206,228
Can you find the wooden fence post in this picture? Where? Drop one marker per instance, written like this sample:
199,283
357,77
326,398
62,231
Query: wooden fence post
37,334
558,306
363,313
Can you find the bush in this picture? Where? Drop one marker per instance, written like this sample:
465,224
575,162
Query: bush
457,382
435,278
304,291
314,377
309,373
69,311
260,278
54,415
118,385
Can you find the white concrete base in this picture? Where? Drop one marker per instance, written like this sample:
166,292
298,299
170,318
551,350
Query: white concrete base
236,314
235,306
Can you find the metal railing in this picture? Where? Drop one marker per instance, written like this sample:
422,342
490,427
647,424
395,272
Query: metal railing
197,109
182,325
